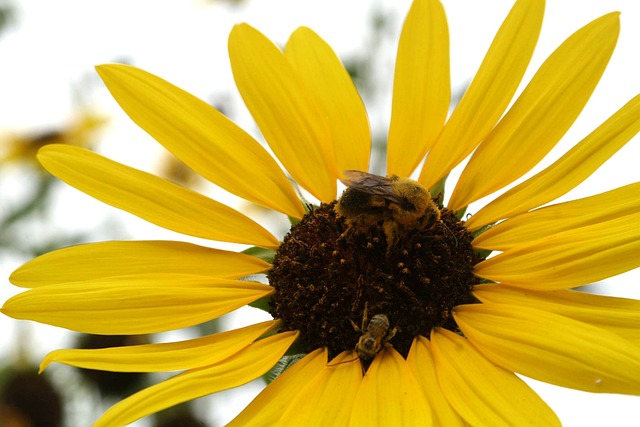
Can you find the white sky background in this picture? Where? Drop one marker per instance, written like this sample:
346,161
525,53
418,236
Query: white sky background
54,45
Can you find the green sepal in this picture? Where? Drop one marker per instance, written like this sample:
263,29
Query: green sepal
308,207
264,254
294,353
261,303
437,191
483,253
459,214
481,230
283,364
296,348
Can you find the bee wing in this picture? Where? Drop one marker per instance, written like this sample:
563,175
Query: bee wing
362,180
371,184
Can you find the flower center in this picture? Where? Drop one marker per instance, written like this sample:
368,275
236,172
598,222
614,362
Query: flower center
339,285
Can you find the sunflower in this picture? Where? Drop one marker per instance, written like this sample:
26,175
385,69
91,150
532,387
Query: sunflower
388,309
81,131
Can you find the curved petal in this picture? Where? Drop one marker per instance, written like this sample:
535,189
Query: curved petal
323,74
542,113
618,315
203,138
420,361
569,259
290,117
552,348
122,258
481,392
253,361
390,395
421,87
267,408
327,397
566,216
568,171
140,304
490,91
164,357
151,198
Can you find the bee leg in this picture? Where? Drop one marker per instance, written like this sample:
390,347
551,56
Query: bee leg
346,233
353,225
364,320
392,333
430,220
360,285
391,232
356,327
342,363
365,315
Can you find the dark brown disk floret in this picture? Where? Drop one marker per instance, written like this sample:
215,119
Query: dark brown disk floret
325,277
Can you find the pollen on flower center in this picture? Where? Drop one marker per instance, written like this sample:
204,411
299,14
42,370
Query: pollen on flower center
327,280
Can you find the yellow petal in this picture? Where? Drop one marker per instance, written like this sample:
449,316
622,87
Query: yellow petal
569,259
481,392
552,348
165,357
154,199
389,395
203,138
568,171
121,258
490,91
250,363
140,304
327,398
554,219
323,74
290,117
542,113
267,408
618,315
420,361
421,87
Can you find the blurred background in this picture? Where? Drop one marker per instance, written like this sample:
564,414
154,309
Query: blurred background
49,93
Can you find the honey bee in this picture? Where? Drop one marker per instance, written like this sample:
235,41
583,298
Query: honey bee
375,336
401,204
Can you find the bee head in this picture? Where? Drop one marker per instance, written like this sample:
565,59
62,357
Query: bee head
415,200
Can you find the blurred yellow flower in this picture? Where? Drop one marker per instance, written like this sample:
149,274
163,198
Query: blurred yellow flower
440,331
81,131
